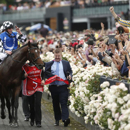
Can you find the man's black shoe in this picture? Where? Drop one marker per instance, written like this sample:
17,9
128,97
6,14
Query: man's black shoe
26,119
66,122
56,123
38,125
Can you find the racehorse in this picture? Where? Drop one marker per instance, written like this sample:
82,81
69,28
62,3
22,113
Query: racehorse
11,77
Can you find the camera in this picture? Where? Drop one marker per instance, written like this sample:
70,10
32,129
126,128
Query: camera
124,48
103,53
109,53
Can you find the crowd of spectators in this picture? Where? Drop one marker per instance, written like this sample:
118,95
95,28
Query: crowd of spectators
22,6
109,47
56,3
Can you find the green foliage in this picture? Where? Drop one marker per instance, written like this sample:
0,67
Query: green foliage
72,91
116,124
79,106
105,115
8,2
68,103
2,1
45,54
64,58
94,85
123,93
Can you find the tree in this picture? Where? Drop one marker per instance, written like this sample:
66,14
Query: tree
8,2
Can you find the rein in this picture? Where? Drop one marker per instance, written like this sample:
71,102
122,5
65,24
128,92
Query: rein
15,60
30,55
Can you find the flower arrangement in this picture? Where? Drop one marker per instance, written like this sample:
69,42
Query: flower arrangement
110,108
47,57
86,84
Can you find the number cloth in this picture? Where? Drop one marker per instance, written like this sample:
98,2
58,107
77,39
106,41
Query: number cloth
33,81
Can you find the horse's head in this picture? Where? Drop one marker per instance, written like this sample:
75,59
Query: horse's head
34,55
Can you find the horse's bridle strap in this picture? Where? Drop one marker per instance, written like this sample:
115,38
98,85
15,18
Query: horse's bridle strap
32,48
33,61
36,59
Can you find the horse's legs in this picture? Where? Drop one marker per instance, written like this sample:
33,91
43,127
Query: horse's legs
8,104
2,108
12,103
16,109
15,105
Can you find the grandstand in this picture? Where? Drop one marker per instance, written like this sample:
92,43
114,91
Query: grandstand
64,15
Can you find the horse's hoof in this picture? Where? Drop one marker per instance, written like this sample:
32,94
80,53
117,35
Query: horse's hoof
3,116
10,124
16,125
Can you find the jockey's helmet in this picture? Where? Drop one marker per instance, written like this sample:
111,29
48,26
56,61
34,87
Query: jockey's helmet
7,25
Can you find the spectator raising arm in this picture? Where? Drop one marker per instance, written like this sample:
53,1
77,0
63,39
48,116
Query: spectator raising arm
102,31
118,19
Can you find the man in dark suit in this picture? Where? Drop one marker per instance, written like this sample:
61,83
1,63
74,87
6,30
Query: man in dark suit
59,89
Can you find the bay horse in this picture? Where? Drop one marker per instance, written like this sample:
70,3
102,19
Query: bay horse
11,77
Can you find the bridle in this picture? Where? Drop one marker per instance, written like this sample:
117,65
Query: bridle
31,57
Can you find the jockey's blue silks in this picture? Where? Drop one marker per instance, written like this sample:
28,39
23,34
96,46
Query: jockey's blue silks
10,41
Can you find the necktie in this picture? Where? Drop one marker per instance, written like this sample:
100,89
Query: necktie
57,71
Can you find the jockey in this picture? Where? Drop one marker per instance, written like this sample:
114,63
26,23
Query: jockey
9,39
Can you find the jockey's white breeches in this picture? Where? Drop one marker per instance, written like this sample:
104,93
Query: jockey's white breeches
2,56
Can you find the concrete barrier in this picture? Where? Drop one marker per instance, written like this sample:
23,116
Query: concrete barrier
115,82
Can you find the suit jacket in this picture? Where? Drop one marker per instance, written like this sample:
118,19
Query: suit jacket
66,68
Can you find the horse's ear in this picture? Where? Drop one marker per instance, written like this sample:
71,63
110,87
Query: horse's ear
29,43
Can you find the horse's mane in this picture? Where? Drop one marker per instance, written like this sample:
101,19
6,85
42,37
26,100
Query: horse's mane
14,51
19,48
33,44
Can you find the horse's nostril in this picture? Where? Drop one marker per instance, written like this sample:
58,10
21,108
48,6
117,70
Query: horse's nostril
42,65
